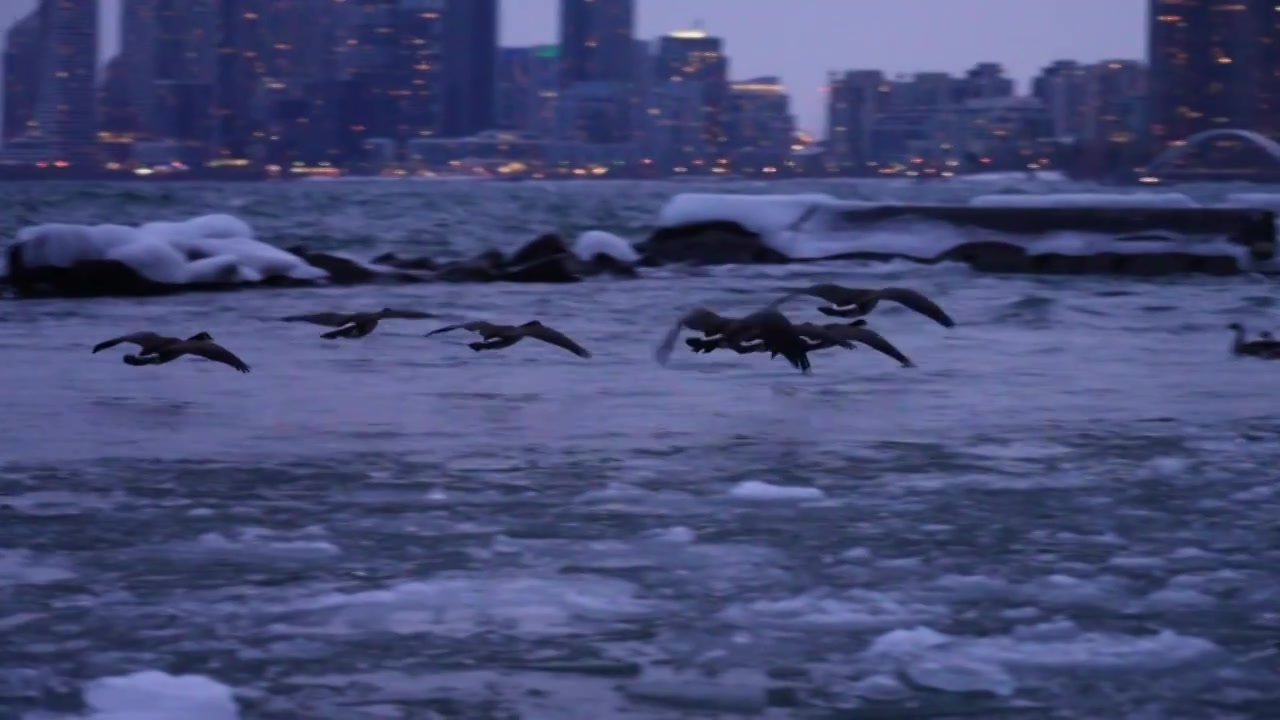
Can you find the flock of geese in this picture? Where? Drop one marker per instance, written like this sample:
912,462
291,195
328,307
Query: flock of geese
765,330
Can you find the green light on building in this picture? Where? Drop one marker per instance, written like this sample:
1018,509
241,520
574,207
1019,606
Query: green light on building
547,51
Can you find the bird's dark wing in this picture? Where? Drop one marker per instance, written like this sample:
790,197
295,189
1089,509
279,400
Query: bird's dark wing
668,343
209,351
474,326
327,318
833,335
406,314
913,300
876,341
555,337
141,339
835,294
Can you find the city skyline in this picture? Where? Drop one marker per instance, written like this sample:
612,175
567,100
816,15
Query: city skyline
1024,37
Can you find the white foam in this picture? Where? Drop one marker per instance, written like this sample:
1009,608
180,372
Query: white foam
812,226
155,695
757,490
209,248
1085,200
598,242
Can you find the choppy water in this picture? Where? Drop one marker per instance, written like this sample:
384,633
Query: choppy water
1069,510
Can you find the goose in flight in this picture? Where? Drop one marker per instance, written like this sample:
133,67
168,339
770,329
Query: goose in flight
207,349
355,325
699,319
148,342
815,336
1267,348
496,337
767,325
856,302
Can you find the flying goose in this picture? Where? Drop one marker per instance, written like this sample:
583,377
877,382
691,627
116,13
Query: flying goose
497,337
767,325
148,342
355,325
864,300
699,319
817,337
207,349
1267,347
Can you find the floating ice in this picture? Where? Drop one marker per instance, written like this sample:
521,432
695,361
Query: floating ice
209,248
757,490
155,695
956,663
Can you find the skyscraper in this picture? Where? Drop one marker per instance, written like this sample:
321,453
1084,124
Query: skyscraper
694,56
23,54
470,62
1204,57
596,41
65,110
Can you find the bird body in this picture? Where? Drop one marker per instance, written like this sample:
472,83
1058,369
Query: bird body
1266,348
206,349
355,325
496,337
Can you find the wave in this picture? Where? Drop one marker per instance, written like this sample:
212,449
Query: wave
817,226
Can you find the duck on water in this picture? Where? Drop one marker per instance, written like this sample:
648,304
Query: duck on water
1266,348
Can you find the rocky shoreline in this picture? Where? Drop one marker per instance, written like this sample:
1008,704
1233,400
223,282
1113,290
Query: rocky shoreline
549,259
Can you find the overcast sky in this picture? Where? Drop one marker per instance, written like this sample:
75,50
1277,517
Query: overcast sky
800,40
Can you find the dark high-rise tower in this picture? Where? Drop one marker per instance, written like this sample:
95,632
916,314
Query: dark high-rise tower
23,53
596,41
470,66
65,122
1205,66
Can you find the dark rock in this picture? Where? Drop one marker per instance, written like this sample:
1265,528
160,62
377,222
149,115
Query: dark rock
555,269
989,256
414,263
708,243
342,271
485,267
540,248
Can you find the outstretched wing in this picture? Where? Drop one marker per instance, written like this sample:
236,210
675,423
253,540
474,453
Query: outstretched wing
473,326
835,336
330,319
876,341
139,338
555,337
668,343
834,294
406,314
210,351
913,300
340,332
